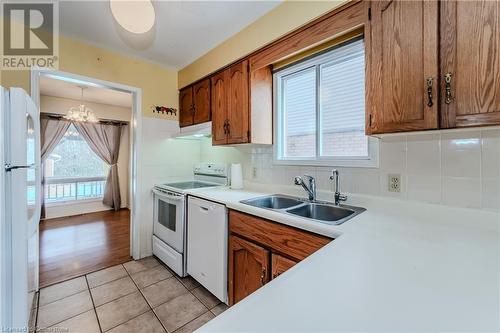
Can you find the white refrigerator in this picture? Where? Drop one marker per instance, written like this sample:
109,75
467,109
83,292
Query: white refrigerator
20,188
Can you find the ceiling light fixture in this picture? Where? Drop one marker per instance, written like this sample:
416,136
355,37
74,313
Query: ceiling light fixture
81,113
137,16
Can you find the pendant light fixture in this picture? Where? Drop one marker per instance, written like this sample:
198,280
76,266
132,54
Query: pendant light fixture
136,16
81,113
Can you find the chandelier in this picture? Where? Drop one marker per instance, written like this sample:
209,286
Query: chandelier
81,113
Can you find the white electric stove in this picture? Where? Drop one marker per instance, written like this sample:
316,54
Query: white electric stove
170,206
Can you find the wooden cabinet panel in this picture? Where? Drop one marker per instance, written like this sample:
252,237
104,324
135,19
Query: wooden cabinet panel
280,264
219,107
201,96
402,53
470,52
248,268
186,107
238,104
290,241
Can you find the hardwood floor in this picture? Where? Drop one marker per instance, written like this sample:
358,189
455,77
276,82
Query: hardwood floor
77,245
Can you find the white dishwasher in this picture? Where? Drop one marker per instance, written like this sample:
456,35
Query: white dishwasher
207,245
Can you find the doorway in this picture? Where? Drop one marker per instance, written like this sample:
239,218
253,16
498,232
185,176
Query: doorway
79,234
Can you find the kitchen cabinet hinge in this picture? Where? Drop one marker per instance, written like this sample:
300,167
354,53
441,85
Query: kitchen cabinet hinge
369,14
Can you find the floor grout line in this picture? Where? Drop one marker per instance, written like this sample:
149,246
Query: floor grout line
93,304
130,277
84,274
60,299
55,324
149,306
204,313
147,302
91,298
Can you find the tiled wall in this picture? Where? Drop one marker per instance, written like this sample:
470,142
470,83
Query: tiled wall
457,168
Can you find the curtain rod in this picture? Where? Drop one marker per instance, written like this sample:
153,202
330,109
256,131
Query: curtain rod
101,121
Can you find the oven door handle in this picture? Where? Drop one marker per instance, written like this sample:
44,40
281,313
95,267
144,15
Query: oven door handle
167,196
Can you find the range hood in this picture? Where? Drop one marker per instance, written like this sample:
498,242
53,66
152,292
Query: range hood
194,132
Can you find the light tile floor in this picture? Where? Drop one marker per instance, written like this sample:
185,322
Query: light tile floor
138,296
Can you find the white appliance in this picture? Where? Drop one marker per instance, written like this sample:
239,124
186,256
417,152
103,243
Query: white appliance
19,206
169,225
207,245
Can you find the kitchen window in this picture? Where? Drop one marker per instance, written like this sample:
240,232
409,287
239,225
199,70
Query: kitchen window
320,103
73,172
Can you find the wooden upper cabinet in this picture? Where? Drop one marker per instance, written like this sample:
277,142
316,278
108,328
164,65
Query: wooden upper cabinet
248,268
402,66
219,83
280,265
470,62
186,107
238,104
201,96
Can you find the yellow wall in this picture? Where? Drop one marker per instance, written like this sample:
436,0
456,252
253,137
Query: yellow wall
158,84
276,23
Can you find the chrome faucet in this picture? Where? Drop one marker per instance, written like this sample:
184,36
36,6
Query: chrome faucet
337,196
310,189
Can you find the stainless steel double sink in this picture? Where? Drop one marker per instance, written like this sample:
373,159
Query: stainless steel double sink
319,211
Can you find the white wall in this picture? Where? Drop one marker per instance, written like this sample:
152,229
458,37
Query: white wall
162,159
60,105
456,168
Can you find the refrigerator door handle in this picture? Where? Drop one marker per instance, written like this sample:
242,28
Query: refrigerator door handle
9,167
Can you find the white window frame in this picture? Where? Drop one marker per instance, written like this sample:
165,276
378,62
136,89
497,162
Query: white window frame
370,161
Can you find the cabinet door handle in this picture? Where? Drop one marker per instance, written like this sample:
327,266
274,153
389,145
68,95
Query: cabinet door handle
225,126
447,87
228,127
263,276
430,82
192,110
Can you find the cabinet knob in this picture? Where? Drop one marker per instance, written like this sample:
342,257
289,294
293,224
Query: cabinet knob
263,276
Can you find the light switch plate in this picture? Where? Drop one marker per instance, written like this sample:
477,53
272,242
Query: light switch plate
394,183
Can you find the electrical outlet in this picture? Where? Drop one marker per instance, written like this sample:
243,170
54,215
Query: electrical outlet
394,183
254,173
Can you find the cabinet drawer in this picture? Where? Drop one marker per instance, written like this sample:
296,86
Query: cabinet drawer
286,240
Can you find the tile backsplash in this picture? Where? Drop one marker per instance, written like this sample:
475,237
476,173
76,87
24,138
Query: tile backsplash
456,168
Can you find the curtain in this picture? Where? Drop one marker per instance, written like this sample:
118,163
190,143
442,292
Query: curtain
104,140
51,132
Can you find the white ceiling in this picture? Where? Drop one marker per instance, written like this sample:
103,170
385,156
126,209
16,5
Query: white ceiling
65,89
184,30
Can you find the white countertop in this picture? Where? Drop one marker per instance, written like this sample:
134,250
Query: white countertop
399,266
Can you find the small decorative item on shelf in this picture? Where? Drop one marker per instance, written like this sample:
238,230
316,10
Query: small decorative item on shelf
164,110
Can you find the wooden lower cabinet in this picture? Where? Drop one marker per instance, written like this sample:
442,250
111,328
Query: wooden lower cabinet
248,268
261,250
280,265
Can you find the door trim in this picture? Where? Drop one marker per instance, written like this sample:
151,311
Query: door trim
135,157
